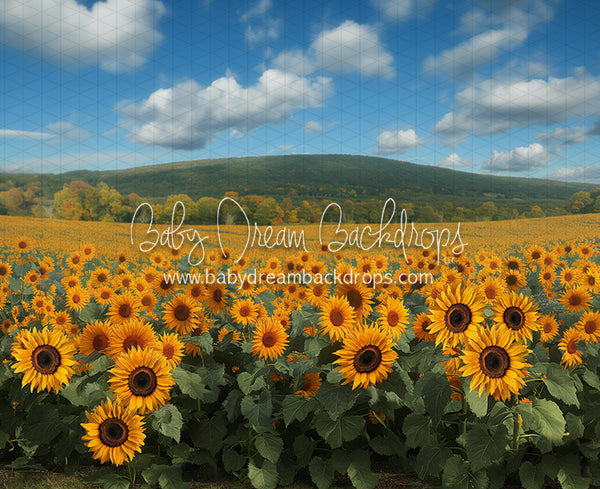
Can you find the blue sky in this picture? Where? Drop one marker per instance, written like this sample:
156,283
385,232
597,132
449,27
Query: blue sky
507,87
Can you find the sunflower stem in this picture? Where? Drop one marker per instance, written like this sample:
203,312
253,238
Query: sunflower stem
515,437
463,414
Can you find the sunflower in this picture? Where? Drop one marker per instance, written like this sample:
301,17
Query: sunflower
181,314
366,357
77,298
517,313
591,280
95,337
100,277
136,333
163,287
547,277
496,363
104,295
141,379
589,326
393,317
171,348
215,296
549,259
270,339
336,318
195,291
61,320
22,245
512,264
585,250
359,296
492,287
534,254
575,299
124,307
514,279
244,311
568,344
421,326
113,432
548,326
124,281
317,294
310,385
456,315
5,270
46,357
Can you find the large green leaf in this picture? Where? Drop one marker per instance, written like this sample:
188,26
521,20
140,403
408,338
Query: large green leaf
436,392
296,408
548,420
532,477
264,477
569,474
336,432
561,385
258,410
484,448
431,460
208,433
168,421
336,399
417,429
478,404
321,473
108,479
269,446
190,383
359,470
456,473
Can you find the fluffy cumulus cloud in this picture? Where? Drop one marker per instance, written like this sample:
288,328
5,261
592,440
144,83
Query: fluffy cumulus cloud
586,174
493,106
312,126
520,159
393,142
347,48
259,26
117,34
402,9
188,116
453,161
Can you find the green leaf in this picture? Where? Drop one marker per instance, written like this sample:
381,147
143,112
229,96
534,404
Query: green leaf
248,385
591,379
548,420
359,470
208,433
417,429
296,408
168,421
264,477
478,404
231,405
303,449
108,479
569,474
431,459
321,473
43,424
170,478
561,385
532,477
258,411
338,431
456,473
232,460
204,341
388,444
336,399
191,384
483,448
574,426
436,392
269,446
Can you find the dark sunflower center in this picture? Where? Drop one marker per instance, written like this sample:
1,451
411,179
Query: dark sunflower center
513,265
124,310
217,295
547,275
105,294
317,291
514,318
3,270
367,359
45,359
130,342
102,277
336,317
181,312
568,249
22,244
142,381
591,280
494,362
572,346
392,318
547,327
426,324
354,298
590,327
100,342
575,300
458,318
146,300
75,260
122,258
511,280
290,267
244,311
168,351
165,285
113,432
536,255
268,339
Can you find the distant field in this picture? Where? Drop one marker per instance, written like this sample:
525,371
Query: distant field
110,238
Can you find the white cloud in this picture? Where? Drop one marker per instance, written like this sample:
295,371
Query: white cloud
454,161
259,9
188,116
519,159
68,131
392,142
493,106
562,135
585,174
16,134
402,9
312,126
260,27
295,62
117,34
352,47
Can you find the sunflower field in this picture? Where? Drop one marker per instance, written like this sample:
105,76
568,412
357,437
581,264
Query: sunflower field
486,375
